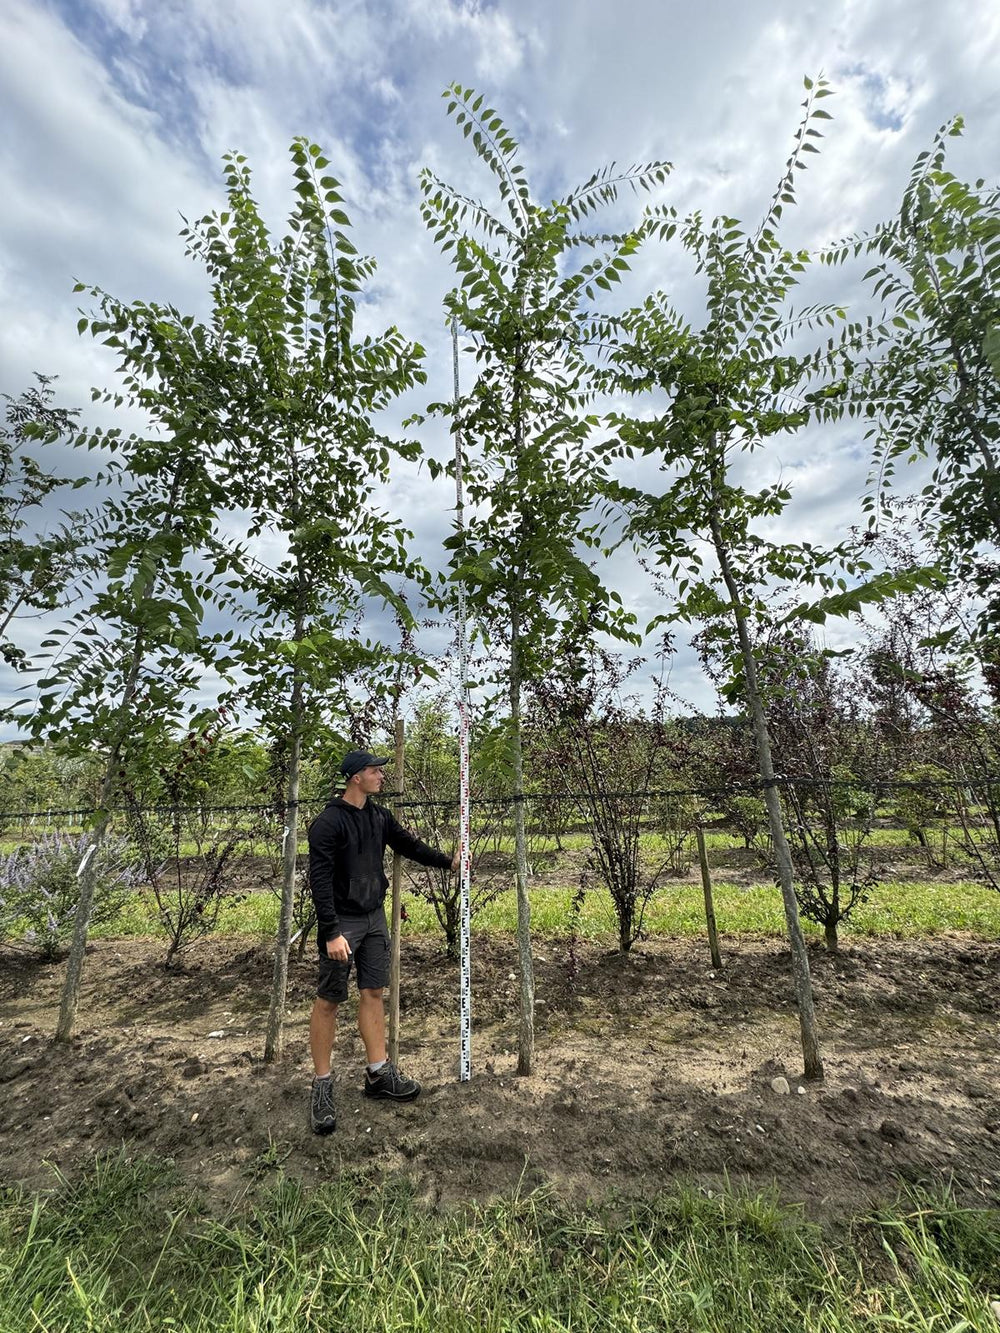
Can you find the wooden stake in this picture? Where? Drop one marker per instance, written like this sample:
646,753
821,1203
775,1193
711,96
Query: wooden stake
397,909
706,884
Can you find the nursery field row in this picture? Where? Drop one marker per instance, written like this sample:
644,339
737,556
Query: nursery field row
264,843
904,909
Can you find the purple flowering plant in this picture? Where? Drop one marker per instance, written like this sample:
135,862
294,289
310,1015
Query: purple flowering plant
40,887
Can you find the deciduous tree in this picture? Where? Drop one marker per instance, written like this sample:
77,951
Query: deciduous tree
523,305
731,384
125,670
299,390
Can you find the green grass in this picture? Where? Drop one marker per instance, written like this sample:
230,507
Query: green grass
257,913
897,907
124,1249
904,909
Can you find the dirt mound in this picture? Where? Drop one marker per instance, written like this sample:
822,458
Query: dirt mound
649,1069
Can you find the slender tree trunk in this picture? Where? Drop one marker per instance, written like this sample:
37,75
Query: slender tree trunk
526,1031
290,843
87,873
626,920
11,611
304,934
706,884
397,907
452,930
87,869
832,925
800,957
289,860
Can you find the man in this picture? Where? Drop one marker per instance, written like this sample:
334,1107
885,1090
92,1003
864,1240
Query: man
346,876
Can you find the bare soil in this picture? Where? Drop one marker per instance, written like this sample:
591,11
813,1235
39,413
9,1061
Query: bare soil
650,1069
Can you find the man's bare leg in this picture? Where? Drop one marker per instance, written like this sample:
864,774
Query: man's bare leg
322,1034
371,1024
386,1081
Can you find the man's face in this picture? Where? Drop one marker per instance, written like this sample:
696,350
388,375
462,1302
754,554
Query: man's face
370,779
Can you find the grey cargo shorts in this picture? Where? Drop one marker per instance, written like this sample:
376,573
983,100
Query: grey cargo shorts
368,937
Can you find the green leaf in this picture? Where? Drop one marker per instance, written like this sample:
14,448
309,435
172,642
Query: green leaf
991,349
881,588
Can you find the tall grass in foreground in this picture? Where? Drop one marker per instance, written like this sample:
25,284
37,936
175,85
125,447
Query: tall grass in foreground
124,1249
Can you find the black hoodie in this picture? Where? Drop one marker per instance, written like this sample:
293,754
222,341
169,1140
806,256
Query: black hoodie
346,851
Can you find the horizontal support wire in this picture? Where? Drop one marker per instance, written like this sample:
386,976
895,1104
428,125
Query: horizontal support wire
278,809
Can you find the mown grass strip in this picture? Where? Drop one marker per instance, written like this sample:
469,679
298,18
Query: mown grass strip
902,909
123,1248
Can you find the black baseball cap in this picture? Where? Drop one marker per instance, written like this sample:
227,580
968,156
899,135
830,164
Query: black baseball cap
355,760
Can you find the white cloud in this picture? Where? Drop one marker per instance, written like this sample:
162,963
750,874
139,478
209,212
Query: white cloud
125,15
499,44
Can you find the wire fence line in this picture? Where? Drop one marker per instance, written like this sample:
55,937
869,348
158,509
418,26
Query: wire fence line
278,809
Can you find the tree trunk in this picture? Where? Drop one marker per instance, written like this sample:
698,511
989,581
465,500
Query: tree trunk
452,930
526,1031
800,957
175,940
624,931
289,860
831,925
706,885
397,907
304,934
87,874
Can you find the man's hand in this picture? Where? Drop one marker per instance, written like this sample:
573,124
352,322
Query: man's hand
338,949
456,860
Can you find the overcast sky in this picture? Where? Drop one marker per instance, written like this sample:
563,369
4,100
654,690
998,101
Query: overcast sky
116,113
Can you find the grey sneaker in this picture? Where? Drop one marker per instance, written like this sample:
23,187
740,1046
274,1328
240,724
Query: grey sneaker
322,1115
390,1084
